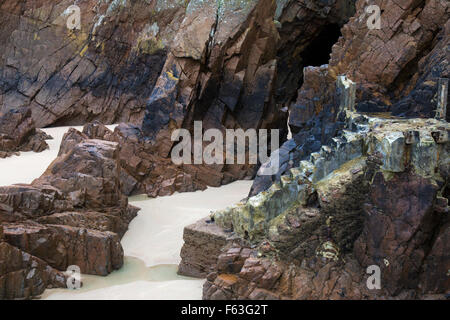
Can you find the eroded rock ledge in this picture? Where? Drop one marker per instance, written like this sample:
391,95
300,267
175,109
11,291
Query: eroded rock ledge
18,133
377,196
74,214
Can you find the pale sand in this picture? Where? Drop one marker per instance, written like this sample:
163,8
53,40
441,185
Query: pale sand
133,281
140,290
156,234
151,245
154,239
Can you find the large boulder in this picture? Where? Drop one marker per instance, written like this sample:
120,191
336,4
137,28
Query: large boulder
18,133
74,214
25,276
396,68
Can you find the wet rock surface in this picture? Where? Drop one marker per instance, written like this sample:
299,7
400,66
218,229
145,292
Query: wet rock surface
134,58
396,69
306,232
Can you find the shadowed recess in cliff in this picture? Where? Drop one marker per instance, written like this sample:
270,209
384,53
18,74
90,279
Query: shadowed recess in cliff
318,51
310,47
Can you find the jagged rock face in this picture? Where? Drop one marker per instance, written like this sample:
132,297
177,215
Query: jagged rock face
74,214
322,270
25,276
143,171
399,229
426,154
61,246
221,71
18,133
89,173
312,120
203,243
105,70
239,70
229,64
313,235
396,70
396,67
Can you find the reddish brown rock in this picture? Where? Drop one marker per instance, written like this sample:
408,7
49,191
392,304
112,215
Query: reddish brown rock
399,226
74,214
203,242
224,77
25,276
396,68
95,252
104,70
401,232
397,65
21,202
436,267
18,133
114,220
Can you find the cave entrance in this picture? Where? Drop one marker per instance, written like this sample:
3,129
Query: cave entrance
318,50
306,50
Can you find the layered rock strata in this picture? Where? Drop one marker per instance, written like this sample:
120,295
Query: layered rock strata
203,243
18,133
214,61
23,275
396,68
70,64
377,196
74,214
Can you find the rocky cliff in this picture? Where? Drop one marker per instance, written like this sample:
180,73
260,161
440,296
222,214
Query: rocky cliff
373,194
376,197
74,214
396,69
161,65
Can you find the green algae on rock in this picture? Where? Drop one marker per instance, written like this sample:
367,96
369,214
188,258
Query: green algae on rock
383,137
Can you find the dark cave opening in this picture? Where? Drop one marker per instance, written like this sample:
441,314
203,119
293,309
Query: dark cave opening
315,50
318,51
